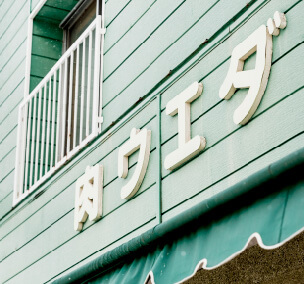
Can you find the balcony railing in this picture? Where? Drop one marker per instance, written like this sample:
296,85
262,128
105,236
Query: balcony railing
62,114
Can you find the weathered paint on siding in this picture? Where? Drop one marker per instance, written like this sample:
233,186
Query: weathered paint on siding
146,41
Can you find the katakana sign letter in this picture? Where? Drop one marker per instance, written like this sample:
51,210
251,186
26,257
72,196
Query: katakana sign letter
260,41
139,139
187,147
88,196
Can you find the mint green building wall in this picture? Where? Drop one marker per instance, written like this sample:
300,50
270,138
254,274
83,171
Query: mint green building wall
13,32
151,48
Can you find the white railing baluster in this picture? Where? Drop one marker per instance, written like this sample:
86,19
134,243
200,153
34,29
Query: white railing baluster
76,99
59,107
82,90
26,172
48,126
88,112
53,118
69,134
43,131
65,94
38,136
33,141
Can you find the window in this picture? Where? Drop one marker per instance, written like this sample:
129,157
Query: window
62,113
75,23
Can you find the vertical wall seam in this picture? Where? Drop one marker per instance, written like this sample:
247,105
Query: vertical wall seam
159,178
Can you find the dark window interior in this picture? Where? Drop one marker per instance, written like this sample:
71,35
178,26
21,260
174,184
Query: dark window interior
77,21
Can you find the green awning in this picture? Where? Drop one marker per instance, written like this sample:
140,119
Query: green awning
269,203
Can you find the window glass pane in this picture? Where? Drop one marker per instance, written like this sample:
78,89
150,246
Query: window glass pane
82,23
